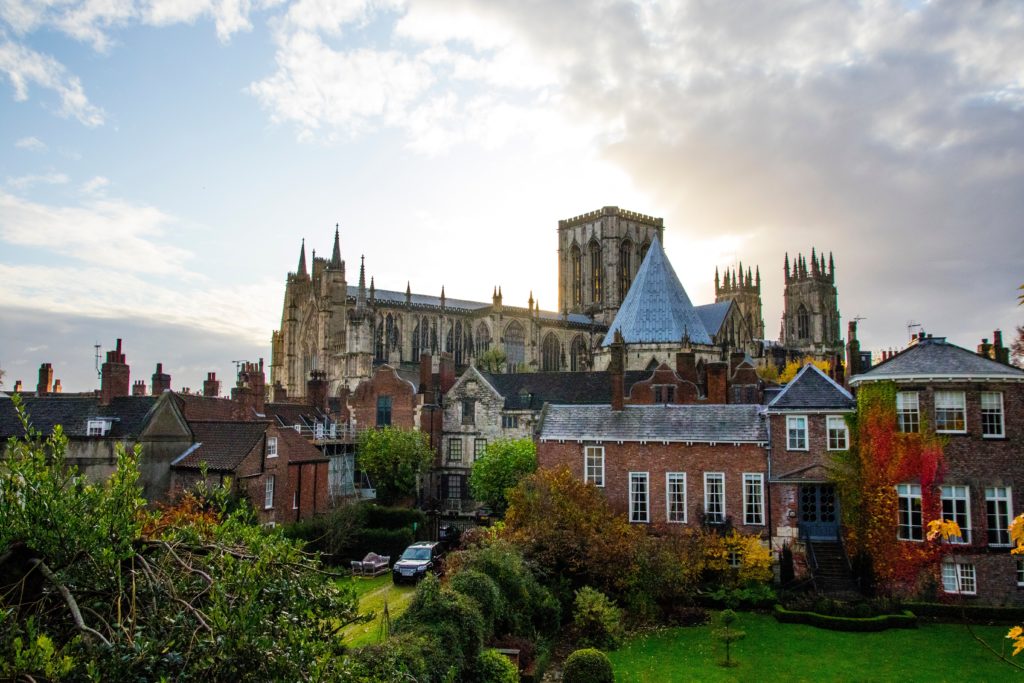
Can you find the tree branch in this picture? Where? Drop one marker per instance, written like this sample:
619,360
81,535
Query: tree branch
69,599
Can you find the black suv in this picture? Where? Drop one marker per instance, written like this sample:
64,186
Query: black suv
416,561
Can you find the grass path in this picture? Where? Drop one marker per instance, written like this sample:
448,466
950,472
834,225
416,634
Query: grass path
372,594
795,652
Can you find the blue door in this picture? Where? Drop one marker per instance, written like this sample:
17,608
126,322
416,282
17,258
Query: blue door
819,511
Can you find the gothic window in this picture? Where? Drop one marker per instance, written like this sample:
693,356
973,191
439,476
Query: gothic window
515,346
455,342
577,275
433,336
551,354
391,337
643,250
625,267
417,349
483,338
803,323
578,354
595,272
379,351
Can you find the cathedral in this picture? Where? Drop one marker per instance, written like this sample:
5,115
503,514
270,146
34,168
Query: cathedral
613,277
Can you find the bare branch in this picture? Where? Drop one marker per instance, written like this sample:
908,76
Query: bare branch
69,599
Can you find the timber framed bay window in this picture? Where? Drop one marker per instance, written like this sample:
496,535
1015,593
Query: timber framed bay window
838,439
796,432
753,498
959,577
950,412
992,415
956,507
593,465
909,504
675,496
714,497
639,497
998,507
908,412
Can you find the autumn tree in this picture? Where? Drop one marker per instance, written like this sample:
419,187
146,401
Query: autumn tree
394,459
504,463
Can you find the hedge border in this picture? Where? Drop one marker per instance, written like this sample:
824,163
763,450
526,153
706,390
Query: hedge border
975,613
882,622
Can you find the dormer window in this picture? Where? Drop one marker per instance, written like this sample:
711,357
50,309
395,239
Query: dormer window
271,446
98,427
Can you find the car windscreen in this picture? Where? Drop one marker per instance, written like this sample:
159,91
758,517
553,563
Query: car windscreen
416,554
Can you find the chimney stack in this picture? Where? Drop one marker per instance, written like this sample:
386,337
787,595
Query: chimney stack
211,385
1001,354
316,390
446,370
279,394
250,394
686,366
718,382
617,371
115,377
45,379
852,350
426,375
161,380
17,386
139,388
57,388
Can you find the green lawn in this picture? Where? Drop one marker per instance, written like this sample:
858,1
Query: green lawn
372,593
794,652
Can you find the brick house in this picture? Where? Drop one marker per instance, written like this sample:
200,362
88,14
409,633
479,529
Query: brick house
977,404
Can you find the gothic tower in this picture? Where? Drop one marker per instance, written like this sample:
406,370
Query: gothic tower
745,290
810,318
599,254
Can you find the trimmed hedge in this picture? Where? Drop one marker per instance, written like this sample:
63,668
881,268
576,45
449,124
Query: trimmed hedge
379,517
588,666
974,613
882,622
391,542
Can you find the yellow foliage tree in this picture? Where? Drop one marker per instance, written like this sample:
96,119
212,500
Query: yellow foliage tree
1016,633
793,367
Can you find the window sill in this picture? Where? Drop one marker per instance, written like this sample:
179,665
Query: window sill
995,437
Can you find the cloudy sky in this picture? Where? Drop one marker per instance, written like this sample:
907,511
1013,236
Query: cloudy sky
161,160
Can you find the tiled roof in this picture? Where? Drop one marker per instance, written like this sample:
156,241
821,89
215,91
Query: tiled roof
128,415
657,308
935,357
221,445
531,390
698,423
812,389
197,407
299,448
713,315
288,414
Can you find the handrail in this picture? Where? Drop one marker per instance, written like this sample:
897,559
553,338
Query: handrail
846,557
812,561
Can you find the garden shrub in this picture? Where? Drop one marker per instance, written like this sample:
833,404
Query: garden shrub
787,571
390,542
598,622
686,615
974,613
588,666
482,589
494,667
382,517
527,648
882,622
401,657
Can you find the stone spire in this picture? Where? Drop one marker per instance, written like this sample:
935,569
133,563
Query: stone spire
302,259
757,276
442,296
361,295
529,303
786,266
373,291
408,293
716,280
336,254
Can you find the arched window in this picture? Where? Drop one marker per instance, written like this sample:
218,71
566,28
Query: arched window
803,323
551,353
417,348
576,260
625,267
643,250
596,268
483,338
379,350
455,342
515,346
392,338
433,336
578,357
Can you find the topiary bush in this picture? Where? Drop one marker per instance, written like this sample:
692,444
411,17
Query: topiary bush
452,619
598,622
482,589
588,666
494,667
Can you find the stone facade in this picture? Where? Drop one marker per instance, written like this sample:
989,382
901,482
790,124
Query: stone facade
745,290
810,317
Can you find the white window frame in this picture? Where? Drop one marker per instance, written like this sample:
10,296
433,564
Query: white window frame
999,494
829,419
591,474
672,496
479,447
271,446
719,478
909,492
634,493
1020,571
268,492
959,577
952,402
295,499
908,405
993,411
756,478
790,421
954,493
97,427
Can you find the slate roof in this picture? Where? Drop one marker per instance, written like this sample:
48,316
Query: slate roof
128,413
393,297
221,445
288,414
531,390
198,407
934,357
657,308
713,315
812,389
677,423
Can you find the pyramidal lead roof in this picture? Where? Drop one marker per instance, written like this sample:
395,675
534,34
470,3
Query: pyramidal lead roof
656,308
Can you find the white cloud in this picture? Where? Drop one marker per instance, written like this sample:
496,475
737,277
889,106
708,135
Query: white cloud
111,234
26,181
95,185
25,67
31,143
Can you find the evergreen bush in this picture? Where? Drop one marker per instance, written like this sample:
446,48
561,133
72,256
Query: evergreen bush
597,621
588,665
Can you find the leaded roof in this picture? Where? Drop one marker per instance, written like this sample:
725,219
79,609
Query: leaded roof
716,423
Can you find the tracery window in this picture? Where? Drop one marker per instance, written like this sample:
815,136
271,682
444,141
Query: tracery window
578,359
576,260
803,323
515,346
596,268
551,354
625,267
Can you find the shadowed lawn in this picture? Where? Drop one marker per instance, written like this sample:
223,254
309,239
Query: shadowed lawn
795,652
372,593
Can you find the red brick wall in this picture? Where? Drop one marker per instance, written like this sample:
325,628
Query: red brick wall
657,459
642,392
384,382
785,461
